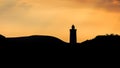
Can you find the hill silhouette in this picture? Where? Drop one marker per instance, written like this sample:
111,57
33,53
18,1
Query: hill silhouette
40,41
48,49
103,41
35,41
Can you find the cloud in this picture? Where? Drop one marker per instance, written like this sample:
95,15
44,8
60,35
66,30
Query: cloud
14,10
7,5
110,5
12,6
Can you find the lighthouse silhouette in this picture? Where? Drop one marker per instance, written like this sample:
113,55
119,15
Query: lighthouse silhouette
73,35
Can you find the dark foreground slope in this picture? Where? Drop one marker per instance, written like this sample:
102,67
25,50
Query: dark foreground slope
47,49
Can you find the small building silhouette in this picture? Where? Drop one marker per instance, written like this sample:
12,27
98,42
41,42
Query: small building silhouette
73,35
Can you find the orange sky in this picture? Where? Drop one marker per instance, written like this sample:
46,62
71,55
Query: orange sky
55,17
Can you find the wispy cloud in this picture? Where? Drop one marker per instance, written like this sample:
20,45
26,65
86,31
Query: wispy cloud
110,5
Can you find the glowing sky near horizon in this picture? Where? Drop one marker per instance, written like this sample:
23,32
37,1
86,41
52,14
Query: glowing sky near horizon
55,17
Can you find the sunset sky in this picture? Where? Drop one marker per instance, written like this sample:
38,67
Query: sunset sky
55,17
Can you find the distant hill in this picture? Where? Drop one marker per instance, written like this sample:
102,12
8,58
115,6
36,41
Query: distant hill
103,41
40,41
35,41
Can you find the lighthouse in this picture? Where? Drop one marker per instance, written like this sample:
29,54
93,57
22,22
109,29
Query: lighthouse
73,35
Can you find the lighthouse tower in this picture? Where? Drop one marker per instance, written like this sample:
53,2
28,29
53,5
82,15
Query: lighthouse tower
73,36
